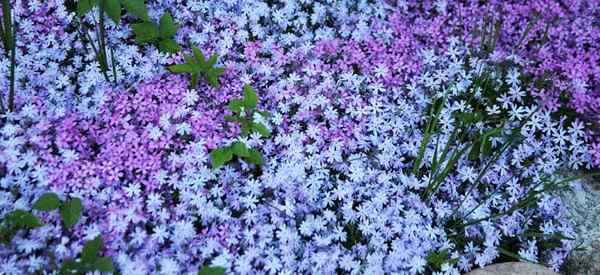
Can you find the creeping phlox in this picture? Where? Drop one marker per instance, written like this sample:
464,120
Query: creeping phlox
339,137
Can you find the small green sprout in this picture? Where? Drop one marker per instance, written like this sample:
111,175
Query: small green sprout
197,65
90,260
243,112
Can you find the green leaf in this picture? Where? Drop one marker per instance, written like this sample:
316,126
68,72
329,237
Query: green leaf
23,219
255,157
250,97
90,249
261,129
230,118
181,68
199,57
137,8
216,270
239,149
212,60
235,105
84,6
212,80
220,156
104,264
194,80
167,26
71,267
145,32
47,202
70,212
113,10
169,45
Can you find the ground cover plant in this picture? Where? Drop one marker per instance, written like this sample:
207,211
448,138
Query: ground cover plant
286,137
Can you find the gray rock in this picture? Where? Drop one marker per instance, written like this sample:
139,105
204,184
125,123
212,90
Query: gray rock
583,204
513,268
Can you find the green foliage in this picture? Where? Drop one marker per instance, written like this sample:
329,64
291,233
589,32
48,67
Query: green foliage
90,260
150,32
212,270
70,212
8,34
47,202
197,65
15,221
437,259
137,8
243,111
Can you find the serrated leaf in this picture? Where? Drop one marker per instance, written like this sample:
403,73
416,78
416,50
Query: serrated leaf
216,270
261,129
137,8
23,219
167,26
104,264
250,97
181,68
70,212
84,6
90,249
169,45
113,10
220,156
255,157
145,32
240,149
47,202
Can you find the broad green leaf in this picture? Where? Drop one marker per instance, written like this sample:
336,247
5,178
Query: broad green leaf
250,97
181,68
70,212
145,32
84,6
216,270
239,149
261,129
230,118
255,157
167,26
169,45
23,219
104,264
137,8
220,156
71,267
113,10
90,249
235,105
47,202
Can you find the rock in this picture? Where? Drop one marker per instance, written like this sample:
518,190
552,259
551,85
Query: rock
513,268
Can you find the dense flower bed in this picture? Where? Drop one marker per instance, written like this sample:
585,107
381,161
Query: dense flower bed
404,136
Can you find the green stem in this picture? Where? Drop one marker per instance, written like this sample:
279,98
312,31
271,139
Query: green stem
13,61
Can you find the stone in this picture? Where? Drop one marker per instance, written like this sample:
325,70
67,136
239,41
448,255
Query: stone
513,268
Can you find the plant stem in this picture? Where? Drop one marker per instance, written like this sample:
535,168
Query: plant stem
13,61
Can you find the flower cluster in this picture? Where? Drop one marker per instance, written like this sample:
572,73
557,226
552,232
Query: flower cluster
405,136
